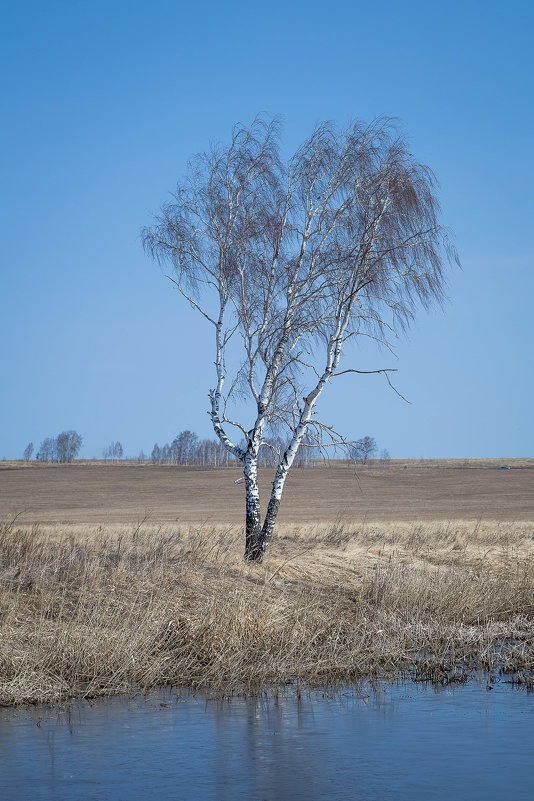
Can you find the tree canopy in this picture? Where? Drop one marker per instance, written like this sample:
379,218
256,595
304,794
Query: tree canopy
289,259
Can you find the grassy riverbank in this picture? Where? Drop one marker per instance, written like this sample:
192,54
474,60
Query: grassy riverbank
95,611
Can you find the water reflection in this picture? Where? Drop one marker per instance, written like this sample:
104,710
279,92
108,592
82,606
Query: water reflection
398,743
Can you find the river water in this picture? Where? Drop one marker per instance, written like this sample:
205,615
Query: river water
400,742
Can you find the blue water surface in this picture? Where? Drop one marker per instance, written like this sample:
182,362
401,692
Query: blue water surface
400,742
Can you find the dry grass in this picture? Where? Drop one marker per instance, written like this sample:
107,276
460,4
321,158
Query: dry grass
98,611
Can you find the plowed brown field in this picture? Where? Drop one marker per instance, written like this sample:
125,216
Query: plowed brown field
123,493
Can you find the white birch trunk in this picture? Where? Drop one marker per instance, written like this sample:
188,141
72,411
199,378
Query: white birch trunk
252,508
332,362
252,497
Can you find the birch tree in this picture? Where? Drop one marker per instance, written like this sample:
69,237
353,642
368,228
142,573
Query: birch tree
363,450
67,446
28,450
288,261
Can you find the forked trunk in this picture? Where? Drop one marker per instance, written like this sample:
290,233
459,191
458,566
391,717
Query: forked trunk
258,537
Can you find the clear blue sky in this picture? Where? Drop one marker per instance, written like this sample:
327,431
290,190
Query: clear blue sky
103,103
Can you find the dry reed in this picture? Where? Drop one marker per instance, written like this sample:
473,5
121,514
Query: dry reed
92,612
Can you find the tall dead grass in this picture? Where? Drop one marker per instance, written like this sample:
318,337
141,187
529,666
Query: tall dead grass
99,611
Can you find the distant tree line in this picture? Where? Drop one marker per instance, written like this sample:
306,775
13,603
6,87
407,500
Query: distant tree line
272,448
187,449
63,448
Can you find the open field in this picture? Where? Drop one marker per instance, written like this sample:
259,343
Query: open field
133,577
404,491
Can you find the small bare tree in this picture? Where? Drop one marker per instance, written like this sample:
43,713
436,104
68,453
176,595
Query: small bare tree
47,451
291,260
385,458
361,451
28,451
67,446
368,445
114,451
